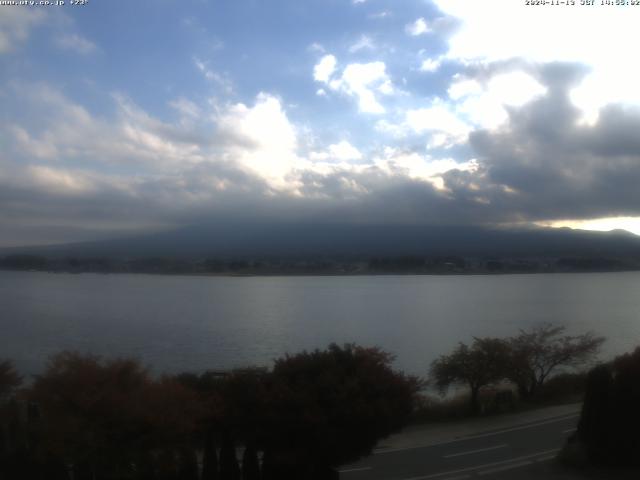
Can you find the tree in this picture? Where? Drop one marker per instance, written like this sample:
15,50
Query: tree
229,467
481,364
12,434
537,353
330,407
106,416
209,458
610,419
250,463
9,378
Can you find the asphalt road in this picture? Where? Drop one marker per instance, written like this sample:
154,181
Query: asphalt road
493,454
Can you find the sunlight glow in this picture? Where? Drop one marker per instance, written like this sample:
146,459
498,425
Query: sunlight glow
594,34
630,224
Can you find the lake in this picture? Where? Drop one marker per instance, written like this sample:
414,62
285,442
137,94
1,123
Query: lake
177,323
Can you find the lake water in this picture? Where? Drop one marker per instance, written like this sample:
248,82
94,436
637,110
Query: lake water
176,323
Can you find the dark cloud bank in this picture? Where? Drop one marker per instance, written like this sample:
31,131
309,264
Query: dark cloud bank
545,165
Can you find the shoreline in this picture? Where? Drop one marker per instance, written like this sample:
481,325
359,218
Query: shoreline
320,274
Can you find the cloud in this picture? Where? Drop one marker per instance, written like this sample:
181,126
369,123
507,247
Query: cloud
419,27
486,104
421,167
395,130
256,138
66,132
93,175
479,99
364,43
76,43
63,164
438,118
430,65
364,81
222,80
263,138
16,24
323,70
59,181
316,47
129,172
186,108
380,15
559,168
461,88
342,152
611,80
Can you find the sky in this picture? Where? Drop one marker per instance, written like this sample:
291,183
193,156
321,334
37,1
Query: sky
121,117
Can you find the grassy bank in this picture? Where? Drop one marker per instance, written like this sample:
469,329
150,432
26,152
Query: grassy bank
562,389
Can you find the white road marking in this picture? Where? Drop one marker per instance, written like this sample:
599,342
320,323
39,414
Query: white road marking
361,469
569,430
546,458
481,435
486,465
469,452
461,477
504,468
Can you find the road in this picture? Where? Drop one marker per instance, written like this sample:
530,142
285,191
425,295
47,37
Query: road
492,454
